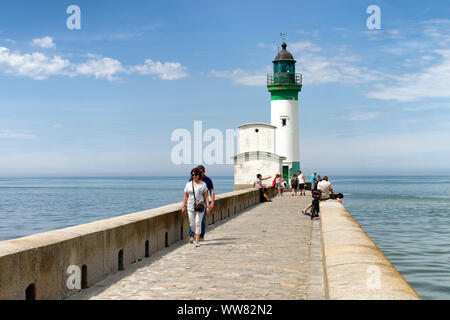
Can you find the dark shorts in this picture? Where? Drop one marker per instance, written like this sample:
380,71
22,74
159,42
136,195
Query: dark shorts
261,195
301,186
294,186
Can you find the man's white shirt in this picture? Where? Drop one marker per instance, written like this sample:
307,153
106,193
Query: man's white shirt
301,178
325,187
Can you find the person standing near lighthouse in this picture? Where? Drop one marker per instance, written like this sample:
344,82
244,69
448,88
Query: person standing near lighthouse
284,85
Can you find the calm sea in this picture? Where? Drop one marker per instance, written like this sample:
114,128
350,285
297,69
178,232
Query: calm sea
407,217
35,205
409,220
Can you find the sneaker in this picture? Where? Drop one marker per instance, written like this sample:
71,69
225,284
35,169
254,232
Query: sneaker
197,244
202,239
304,213
191,239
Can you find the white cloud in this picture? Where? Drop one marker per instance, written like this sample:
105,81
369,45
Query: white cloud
8,40
40,66
379,153
315,64
431,82
164,71
303,47
8,134
319,67
359,116
426,107
242,77
35,65
430,60
93,56
46,42
263,45
311,33
378,35
437,21
100,68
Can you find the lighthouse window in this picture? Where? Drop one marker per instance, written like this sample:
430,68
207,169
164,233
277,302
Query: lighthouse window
256,130
283,122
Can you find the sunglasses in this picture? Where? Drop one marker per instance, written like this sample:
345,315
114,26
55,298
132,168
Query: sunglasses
195,175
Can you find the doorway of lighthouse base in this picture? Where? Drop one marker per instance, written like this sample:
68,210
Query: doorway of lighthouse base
290,169
286,173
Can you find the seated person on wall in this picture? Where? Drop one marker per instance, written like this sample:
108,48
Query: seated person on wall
263,195
327,190
326,193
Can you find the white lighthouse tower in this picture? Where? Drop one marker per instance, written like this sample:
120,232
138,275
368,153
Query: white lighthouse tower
284,85
273,148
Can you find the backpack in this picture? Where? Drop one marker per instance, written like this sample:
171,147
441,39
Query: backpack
315,209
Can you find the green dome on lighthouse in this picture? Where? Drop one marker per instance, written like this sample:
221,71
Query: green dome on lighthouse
284,55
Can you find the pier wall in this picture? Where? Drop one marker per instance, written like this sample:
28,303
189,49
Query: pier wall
54,265
354,267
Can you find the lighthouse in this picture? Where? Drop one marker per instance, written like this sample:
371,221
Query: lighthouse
284,86
268,149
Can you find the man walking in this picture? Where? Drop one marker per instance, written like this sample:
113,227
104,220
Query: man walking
210,186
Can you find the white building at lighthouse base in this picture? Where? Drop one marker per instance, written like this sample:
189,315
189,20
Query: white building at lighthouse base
256,155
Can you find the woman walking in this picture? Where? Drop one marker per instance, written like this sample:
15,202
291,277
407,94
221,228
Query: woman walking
294,184
278,181
195,200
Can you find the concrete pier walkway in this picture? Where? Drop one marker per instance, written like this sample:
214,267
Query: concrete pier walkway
269,251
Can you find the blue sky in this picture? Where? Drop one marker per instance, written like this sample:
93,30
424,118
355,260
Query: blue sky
104,100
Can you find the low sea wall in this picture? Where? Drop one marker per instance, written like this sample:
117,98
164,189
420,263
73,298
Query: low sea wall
354,267
54,265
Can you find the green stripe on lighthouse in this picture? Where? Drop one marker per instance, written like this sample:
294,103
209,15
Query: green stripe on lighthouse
285,95
285,92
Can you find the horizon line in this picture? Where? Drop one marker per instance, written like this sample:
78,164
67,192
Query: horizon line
221,176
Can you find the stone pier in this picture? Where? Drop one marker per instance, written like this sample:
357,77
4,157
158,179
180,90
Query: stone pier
263,253
252,251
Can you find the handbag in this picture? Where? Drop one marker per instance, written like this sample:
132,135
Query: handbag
199,206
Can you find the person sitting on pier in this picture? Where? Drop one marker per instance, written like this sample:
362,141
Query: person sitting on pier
326,193
263,195
327,190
